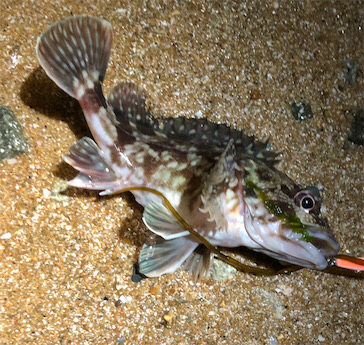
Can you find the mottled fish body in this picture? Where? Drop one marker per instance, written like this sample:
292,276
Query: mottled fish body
222,182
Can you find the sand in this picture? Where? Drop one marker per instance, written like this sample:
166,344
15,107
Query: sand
67,255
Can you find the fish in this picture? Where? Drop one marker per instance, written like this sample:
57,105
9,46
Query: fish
223,183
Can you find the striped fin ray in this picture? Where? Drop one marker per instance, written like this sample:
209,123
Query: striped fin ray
164,256
75,52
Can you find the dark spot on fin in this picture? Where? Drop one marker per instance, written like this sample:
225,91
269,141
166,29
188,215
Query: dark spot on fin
210,139
137,277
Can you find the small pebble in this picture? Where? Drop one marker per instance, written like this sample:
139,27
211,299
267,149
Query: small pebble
12,141
168,317
120,340
222,271
136,277
255,94
153,290
356,135
320,338
301,111
223,305
6,236
351,71
11,161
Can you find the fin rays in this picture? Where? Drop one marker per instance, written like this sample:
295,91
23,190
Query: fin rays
164,256
128,102
75,51
162,222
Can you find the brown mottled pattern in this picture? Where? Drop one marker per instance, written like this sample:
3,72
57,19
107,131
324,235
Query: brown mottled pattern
168,168
128,103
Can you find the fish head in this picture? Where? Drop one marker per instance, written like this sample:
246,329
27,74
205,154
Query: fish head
284,219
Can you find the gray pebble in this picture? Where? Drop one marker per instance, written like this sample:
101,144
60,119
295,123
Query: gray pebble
351,71
301,111
12,141
222,271
357,128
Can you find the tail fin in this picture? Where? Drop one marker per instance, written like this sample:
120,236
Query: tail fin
75,52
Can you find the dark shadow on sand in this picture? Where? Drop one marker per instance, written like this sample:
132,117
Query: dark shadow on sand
42,94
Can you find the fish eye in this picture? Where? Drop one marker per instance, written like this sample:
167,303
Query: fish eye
308,201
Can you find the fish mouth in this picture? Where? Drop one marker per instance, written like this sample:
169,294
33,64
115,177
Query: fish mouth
312,252
323,239
282,242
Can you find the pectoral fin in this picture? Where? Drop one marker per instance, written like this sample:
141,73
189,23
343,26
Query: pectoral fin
162,256
159,219
86,157
171,247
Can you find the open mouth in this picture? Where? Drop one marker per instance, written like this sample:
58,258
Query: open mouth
323,239
313,253
281,242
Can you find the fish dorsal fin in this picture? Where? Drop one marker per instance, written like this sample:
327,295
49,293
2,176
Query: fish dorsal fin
220,179
128,103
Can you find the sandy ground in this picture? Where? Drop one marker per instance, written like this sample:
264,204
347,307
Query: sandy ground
66,260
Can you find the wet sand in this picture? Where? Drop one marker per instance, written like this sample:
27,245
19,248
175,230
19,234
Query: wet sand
67,257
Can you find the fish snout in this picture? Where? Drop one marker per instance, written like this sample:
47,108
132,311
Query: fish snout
324,240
